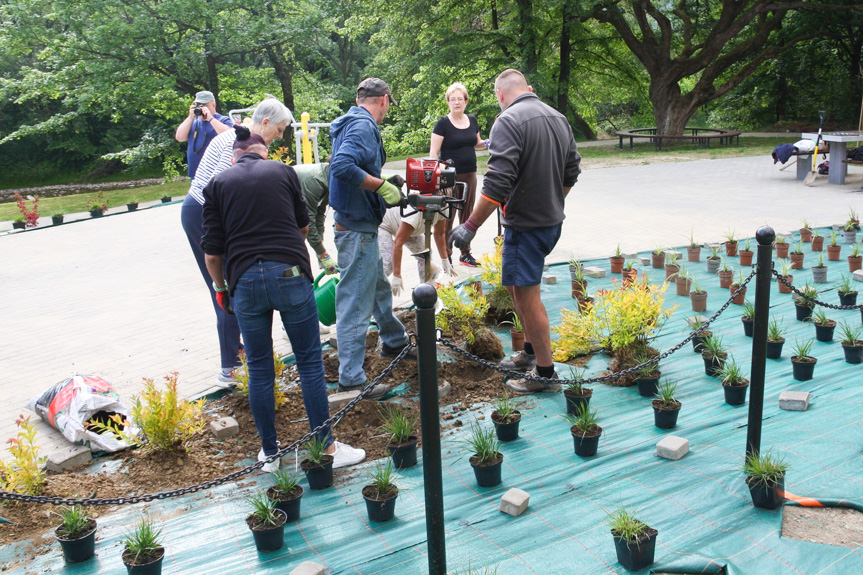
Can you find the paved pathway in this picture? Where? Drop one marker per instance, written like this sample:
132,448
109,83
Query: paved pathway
121,297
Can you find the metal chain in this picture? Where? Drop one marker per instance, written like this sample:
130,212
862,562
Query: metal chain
781,278
334,420
618,374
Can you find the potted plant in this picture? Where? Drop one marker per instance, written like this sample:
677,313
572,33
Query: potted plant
850,232
833,248
853,219
851,343
796,256
516,332
505,418
817,241
726,274
714,355
698,340
781,245
585,432
804,303
133,204
746,253
658,257
847,294
855,259
734,384
671,265
19,223
666,408
28,217
819,272
698,297
634,541
57,217
823,326
318,466
693,250
97,206
647,378
806,232
629,272
381,493
765,477
267,523
730,244
487,460
76,532
616,261
575,394
713,260
802,364
166,199
579,283
738,290
401,428
683,282
748,318
775,339
286,493
784,274
142,551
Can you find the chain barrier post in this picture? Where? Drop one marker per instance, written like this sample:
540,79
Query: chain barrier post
425,297
764,236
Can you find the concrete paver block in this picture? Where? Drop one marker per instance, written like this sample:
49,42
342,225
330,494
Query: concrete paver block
630,256
224,427
858,275
673,252
334,341
545,267
308,568
644,261
444,388
672,447
794,400
838,227
337,400
514,502
549,280
594,272
68,458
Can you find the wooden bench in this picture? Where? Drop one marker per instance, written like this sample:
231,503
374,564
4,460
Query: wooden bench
700,136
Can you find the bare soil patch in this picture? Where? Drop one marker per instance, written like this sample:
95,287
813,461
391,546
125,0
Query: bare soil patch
831,526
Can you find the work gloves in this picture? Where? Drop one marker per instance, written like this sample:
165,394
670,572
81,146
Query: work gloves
397,181
390,193
396,285
461,236
448,269
328,265
224,301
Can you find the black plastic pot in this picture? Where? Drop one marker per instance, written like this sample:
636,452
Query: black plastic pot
647,386
698,341
767,496
506,431
804,312
735,394
576,403
664,417
79,549
404,455
19,225
586,445
56,220
269,538
803,370
636,555
153,567
96,212
748,325
290,505
853,353
849,298
166,199
379,510
825,332
774,349
132,206
487,475
712,365
319,476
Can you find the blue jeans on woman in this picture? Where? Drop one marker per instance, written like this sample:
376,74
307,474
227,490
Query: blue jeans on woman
192,217
262,289
363,291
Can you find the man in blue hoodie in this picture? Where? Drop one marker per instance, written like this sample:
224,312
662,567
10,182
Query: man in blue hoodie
359,198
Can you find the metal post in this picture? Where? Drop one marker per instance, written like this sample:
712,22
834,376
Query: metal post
764,236
425,297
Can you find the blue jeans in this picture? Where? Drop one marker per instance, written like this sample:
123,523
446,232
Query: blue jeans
262,289
192,218
363,290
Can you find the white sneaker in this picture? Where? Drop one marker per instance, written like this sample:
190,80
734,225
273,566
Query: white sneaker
345,455
273,465
226,380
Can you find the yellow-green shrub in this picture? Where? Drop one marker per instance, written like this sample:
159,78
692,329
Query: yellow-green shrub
24,473
576,334
630,312
459,314
241,376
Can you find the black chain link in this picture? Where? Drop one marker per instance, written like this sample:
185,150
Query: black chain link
334,420
653,361
781,278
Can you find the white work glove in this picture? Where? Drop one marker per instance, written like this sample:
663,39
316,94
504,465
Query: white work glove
396,285
448,269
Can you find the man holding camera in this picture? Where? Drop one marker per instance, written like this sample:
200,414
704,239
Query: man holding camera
360,198
198,129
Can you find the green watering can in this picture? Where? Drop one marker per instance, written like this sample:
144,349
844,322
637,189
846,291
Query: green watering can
325,297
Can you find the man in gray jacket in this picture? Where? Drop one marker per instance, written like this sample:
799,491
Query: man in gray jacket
314,182
533,164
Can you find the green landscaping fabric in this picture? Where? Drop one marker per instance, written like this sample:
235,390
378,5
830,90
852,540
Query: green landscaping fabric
699,504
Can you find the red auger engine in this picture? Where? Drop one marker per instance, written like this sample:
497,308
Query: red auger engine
429,176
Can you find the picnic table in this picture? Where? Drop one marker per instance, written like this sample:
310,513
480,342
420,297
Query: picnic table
838,141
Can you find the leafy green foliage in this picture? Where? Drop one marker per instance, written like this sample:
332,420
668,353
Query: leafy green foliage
143,541
74,521
23,474
263,509
765,468
482,443
624,524
397,423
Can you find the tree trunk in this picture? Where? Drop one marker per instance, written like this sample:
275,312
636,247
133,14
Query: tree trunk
284,74
582,129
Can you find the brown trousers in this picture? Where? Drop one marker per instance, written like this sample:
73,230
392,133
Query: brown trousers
469,200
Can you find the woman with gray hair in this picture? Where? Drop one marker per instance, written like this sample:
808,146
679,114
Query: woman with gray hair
269,120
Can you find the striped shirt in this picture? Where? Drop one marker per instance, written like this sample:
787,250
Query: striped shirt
217,158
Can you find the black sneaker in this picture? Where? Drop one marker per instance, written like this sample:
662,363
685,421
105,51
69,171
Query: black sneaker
377,392
467,260
387,351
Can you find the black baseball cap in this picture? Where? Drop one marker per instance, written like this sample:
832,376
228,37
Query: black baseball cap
371,87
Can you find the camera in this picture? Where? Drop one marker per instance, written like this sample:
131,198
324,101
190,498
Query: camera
198,111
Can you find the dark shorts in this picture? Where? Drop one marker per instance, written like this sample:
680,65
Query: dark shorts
524,254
